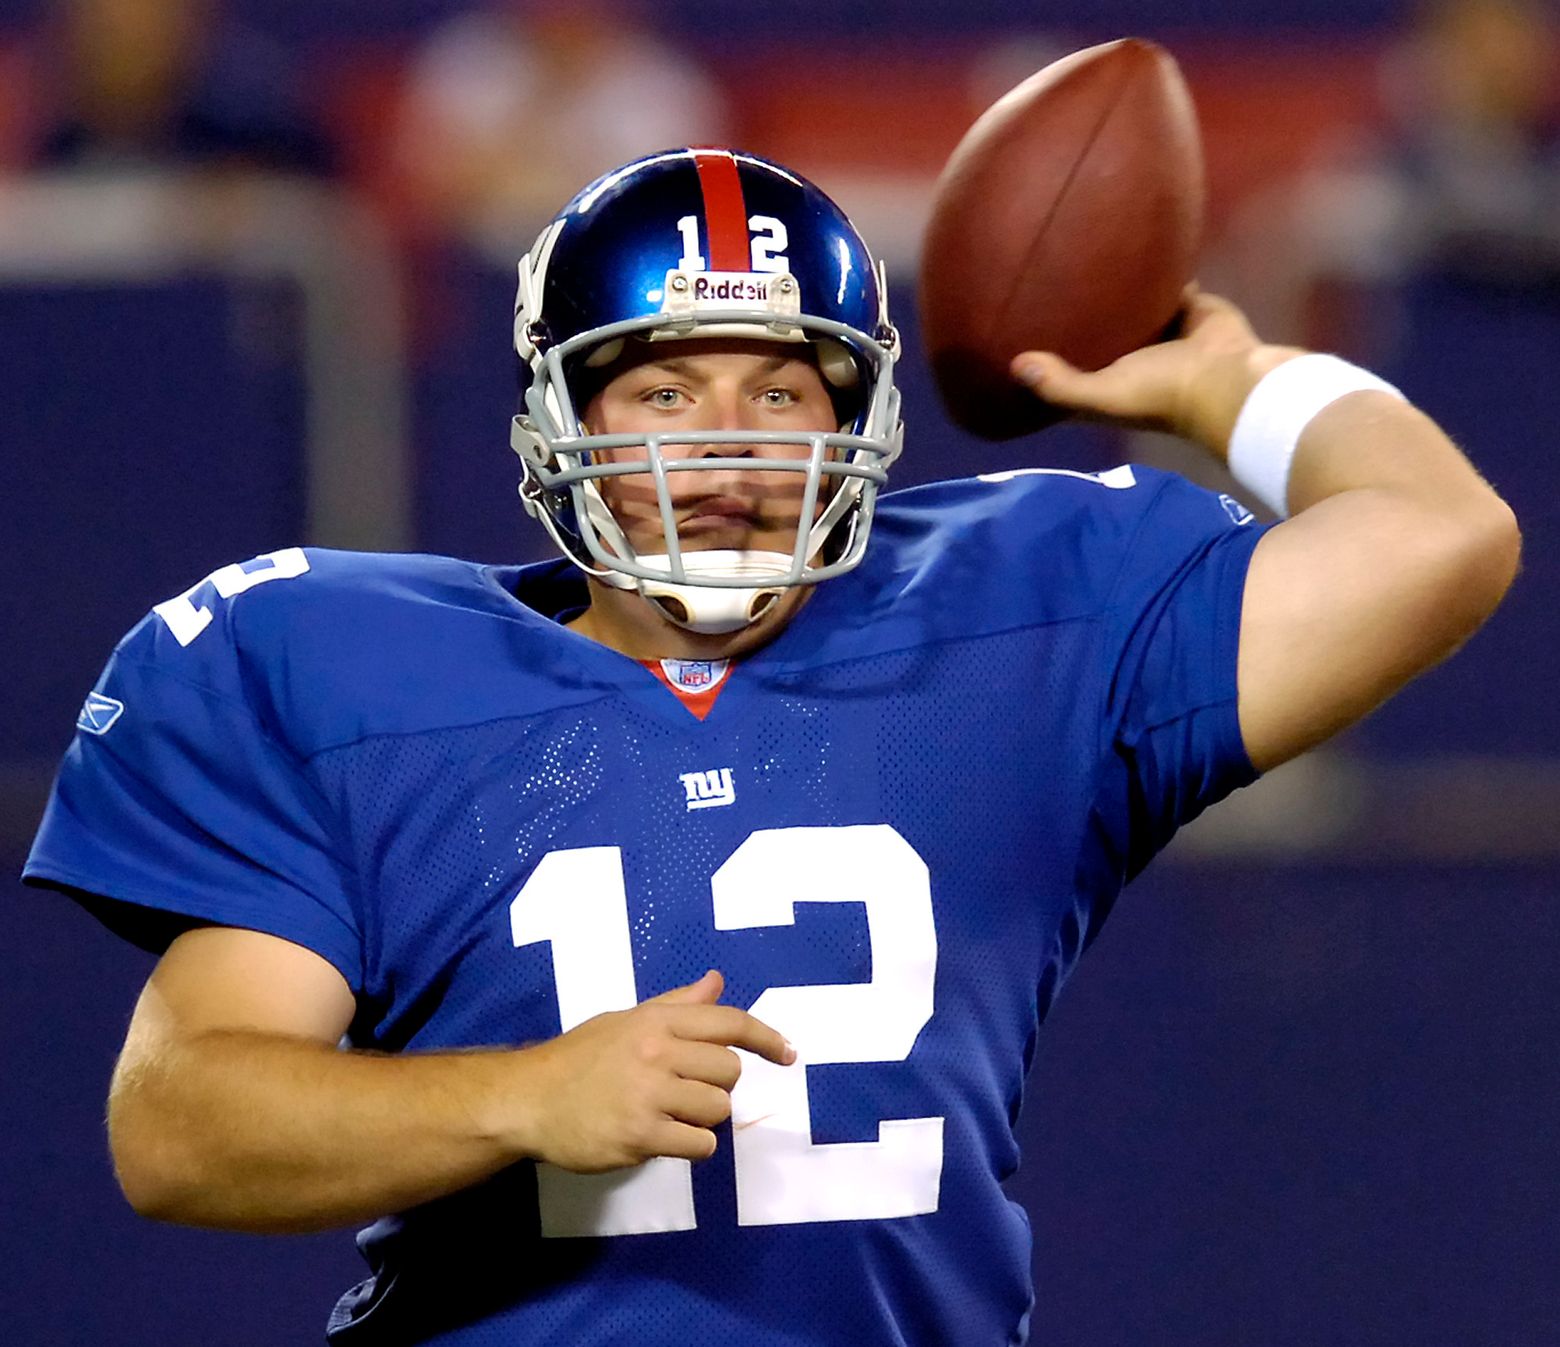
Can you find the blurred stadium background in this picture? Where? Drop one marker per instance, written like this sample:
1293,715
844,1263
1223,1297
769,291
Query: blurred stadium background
256,272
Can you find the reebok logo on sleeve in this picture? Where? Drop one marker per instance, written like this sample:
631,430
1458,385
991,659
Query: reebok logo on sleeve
99,713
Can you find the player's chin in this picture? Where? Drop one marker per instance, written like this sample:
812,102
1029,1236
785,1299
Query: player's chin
699,537
717,535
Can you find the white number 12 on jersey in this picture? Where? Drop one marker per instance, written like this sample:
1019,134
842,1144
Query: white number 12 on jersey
576,900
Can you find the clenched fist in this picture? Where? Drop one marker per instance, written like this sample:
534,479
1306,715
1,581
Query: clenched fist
632,1084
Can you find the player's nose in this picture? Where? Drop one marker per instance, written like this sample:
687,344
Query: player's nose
728,413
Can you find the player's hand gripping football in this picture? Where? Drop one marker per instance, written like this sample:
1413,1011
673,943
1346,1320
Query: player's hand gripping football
632,1084
1193,386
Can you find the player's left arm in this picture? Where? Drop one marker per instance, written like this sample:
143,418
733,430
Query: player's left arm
1396,550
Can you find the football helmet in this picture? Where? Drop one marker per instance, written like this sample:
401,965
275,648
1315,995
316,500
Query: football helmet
701,243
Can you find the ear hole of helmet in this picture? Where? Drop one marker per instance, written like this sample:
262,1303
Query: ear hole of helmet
837,365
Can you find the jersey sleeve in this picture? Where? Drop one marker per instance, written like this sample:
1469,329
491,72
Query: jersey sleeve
176,805
1173,639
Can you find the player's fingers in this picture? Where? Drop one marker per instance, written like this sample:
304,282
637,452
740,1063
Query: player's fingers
705,990
1214,313
733,1028
1205,301
681,1141
1113,391
708,1062
692,1101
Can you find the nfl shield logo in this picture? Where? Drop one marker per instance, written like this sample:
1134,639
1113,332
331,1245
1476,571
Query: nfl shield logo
693,674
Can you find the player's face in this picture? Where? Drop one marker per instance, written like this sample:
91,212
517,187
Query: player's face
713,384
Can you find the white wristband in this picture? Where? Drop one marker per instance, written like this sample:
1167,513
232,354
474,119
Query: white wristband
1277,411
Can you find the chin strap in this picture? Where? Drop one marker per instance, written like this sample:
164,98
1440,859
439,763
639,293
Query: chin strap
706,609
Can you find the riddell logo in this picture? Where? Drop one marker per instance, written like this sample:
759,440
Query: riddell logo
732,287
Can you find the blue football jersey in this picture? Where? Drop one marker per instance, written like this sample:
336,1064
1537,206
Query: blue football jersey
895,833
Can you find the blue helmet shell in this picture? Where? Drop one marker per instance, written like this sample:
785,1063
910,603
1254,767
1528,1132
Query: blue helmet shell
620,236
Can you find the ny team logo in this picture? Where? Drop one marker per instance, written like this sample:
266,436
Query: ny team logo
709,790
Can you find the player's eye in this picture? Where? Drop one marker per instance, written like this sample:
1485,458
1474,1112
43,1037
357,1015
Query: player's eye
663,397
779,397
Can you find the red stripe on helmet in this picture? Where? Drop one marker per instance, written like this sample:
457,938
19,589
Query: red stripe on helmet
725,212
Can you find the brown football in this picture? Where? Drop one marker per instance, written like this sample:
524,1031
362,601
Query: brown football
1068,219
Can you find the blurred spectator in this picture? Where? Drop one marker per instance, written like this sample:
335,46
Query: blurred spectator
145,84
512,107
1477,160
1465,183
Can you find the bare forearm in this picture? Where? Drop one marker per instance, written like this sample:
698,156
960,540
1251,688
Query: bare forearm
1396,552
251,1131
1409,487
1366,441
216,1122
1377,483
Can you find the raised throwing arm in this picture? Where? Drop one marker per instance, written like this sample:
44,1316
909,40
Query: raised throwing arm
1396,550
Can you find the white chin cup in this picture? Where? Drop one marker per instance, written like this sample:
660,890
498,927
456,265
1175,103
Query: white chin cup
708,610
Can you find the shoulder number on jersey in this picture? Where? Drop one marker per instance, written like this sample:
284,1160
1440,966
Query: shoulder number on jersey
186,619
1117,479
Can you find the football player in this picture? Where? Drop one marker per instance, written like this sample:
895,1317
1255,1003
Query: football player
655,939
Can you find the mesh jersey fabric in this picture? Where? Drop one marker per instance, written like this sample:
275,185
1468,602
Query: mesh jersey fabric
900,825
